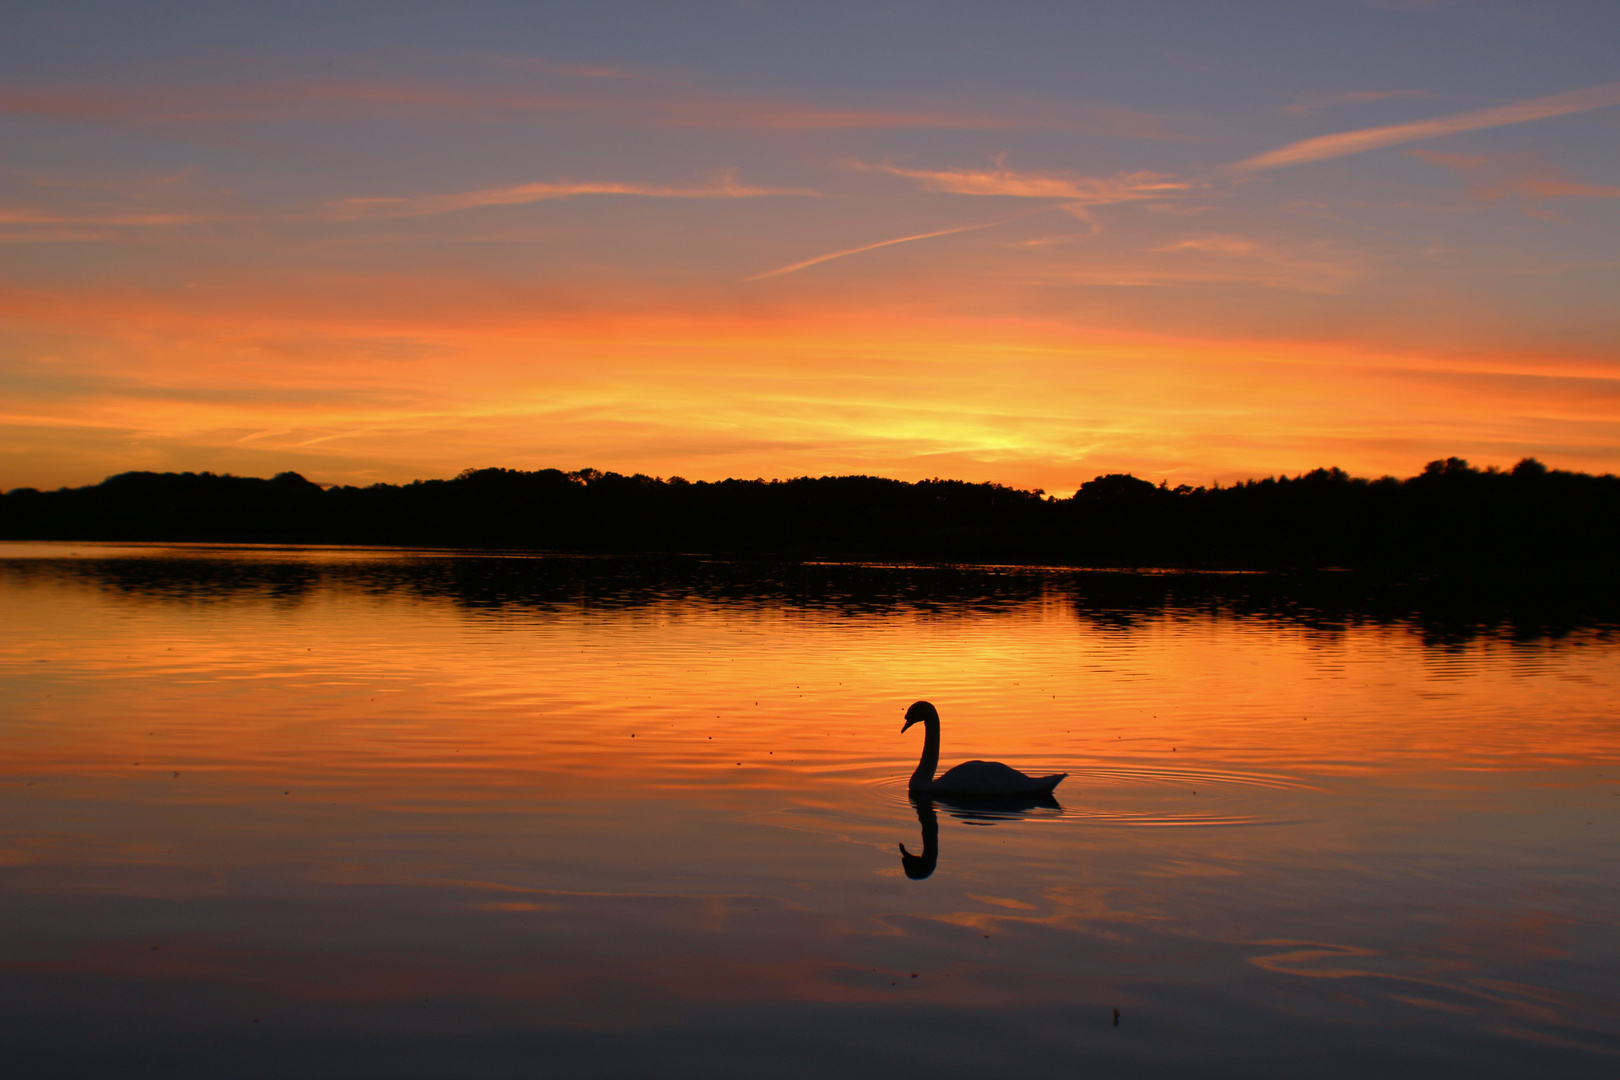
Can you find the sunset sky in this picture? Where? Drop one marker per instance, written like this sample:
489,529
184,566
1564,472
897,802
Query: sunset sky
1021,242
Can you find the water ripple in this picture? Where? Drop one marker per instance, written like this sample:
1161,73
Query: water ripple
1153,786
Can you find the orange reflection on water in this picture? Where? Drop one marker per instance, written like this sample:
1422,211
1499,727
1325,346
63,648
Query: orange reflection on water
350,780
344,685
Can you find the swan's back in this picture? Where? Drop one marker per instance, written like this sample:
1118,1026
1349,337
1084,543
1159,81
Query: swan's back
991,778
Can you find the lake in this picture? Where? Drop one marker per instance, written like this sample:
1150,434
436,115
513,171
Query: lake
369,813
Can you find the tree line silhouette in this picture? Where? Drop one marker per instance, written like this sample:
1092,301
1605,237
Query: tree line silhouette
1449,516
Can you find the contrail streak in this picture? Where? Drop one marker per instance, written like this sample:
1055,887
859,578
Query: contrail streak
867,247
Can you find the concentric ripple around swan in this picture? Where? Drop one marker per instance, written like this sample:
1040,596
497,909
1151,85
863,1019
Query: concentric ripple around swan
1130,795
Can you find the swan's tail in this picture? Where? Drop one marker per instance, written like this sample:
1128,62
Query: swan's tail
1047,783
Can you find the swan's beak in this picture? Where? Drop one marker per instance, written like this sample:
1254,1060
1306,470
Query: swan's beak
906,725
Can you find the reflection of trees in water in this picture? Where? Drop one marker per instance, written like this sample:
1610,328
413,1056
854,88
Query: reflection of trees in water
198,579
1443,612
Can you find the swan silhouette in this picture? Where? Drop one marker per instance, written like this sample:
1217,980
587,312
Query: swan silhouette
970,777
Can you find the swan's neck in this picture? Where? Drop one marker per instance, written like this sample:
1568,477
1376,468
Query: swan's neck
923,778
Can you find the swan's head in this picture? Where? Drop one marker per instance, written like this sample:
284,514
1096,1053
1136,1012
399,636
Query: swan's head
919,712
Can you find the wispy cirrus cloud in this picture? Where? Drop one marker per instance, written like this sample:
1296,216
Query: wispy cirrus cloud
1223,245
1086,190
1525,178
1240,259
34,215
36,206
725,187
77,106
1344,143
1495,176
129,204
631,107
657,110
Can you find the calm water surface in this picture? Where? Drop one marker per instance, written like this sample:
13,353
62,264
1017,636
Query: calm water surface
347,813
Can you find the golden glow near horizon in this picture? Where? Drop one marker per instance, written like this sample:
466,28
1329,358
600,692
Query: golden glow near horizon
707,687
780,243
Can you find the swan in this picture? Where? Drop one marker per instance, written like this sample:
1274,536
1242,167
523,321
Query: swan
970,777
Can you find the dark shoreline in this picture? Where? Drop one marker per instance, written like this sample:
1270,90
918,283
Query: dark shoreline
1529,523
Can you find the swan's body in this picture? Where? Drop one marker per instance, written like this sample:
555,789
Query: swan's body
970,777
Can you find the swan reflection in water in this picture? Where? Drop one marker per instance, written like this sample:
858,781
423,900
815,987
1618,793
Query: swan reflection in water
975,810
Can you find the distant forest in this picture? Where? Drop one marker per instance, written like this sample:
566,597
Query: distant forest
1450,516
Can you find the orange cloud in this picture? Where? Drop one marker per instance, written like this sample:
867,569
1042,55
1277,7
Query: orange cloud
126,206
1086,190
33,215
1228,245
663,108
41,203
1529,176
1356,142
49,103
726,187
1231,259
